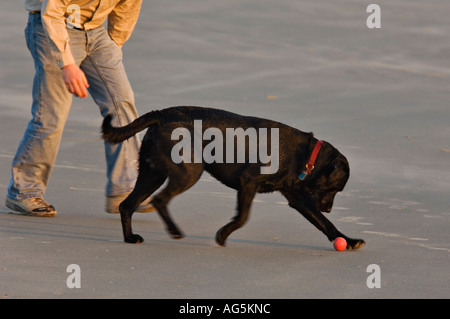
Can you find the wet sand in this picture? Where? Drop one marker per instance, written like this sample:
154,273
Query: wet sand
380,95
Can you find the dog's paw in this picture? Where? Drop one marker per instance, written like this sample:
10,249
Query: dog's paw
221,238
175,233
134,239
353,244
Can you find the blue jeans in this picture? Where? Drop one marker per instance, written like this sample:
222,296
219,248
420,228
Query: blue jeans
101,60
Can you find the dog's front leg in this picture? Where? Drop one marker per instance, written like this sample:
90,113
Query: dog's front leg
306,208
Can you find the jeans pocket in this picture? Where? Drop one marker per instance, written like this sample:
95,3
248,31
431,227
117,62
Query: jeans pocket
117,49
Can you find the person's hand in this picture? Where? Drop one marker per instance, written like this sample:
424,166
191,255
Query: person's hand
75,80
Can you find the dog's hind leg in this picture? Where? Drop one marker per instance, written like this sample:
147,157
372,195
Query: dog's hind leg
148,181
320,221
246,193
181,178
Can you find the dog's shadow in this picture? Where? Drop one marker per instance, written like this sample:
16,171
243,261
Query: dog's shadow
20,226
230,241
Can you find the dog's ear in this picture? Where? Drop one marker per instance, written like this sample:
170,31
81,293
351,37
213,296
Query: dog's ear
341,164
331,169
340,172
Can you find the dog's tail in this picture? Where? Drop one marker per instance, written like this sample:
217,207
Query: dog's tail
116,135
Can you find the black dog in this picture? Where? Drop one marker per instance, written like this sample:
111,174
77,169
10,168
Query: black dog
309,172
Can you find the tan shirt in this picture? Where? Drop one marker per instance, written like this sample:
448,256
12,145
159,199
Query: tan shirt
57,15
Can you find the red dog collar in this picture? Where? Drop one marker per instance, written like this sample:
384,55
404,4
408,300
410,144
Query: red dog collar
312,160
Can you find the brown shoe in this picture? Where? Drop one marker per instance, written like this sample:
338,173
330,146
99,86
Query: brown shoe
113,202
35,206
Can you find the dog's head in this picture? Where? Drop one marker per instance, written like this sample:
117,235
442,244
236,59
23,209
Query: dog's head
328,178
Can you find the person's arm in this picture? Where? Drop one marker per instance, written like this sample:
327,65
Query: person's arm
122,20
53,20
54,23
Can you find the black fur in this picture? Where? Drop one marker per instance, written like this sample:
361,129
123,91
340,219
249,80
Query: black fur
313,195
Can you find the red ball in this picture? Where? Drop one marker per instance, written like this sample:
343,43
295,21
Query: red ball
340,244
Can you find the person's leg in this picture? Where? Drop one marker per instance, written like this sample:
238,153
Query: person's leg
37,151
112,92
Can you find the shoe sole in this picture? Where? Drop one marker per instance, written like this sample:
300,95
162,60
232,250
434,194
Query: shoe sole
24,212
